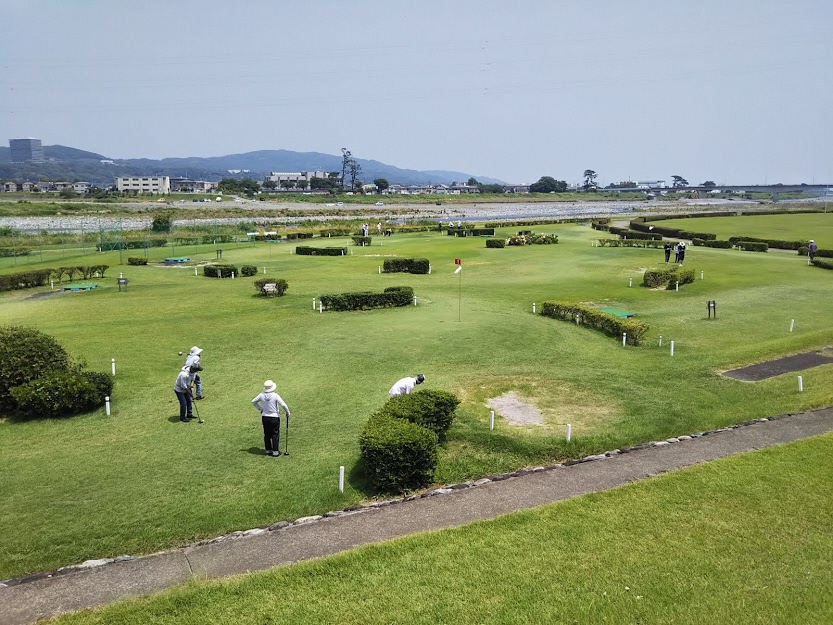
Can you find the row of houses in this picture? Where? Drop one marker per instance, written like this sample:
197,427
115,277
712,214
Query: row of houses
13,186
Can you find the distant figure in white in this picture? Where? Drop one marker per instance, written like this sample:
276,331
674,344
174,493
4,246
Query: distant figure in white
405,386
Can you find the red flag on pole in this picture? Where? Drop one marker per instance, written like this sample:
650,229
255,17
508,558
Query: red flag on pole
458,261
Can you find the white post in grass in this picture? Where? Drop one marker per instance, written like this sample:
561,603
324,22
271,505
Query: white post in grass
678,285
113,364
492,421
533,307
195,271
672,348
792,324
414,300
800,384
232,275
630,282
52,285
702,274
264,271
429,269
624,338
320,307
341,479
121,275
313,303
660,340
380,269
569,432
107,405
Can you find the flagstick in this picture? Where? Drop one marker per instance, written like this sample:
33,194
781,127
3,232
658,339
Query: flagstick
460,299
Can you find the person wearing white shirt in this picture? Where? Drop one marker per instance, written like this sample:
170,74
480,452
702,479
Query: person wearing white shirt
270,403
405,386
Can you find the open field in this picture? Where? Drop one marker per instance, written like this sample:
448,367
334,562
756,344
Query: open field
96,486
704,545
818,226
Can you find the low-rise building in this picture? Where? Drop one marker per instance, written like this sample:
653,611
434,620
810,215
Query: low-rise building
295,179
186,185
155,185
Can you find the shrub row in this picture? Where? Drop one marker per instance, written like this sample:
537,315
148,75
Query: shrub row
305,250
335,232
721,244
399,442
752,246
776,243
406,265
596,319
804,251
219,271
62,393
533,239
599,225
280,285
824,264
668,276
363,241
8,252
534,222
497,243
671,232
137,260
469,230
294,236
41,277
392,296
631,243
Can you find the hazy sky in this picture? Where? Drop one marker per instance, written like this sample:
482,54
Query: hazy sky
736,91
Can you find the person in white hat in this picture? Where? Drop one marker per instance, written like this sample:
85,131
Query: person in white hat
812,249
405,386
193,358
269,403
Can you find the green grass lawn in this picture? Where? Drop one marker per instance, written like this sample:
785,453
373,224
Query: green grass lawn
96,486
795,227
743,540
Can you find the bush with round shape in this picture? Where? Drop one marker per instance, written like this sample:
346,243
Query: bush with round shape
431,409
25,355
280,285
398,455
61,394
219,271
137,260
248,270
496,243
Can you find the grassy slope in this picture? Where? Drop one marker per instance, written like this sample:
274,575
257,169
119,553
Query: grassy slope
818,226
720,552
95,486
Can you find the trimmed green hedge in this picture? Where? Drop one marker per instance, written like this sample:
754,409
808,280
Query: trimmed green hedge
8,252
598,320
468,230
280,285
670,232
533,239
667,276
363,241
805,251
398,455
248,270
752,246
392,296
630,243
406,265
776,243
335,232
824,264
25,279
429,408
294,236
305,250
720,244
62,394
220,271
137,260
496,243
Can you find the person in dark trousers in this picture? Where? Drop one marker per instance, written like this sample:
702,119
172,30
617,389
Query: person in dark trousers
676,252
193,358
668,247
182,388
269,403
681,253
812,249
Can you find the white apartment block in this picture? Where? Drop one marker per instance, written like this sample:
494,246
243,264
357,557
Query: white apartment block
301,179
144,184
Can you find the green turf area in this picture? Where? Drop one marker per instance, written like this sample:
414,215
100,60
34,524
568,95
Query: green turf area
138,481
795,227
744,540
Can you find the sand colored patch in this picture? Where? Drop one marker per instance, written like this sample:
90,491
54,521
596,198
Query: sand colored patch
515,410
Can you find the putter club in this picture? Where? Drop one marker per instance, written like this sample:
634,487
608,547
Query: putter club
196,410
286,438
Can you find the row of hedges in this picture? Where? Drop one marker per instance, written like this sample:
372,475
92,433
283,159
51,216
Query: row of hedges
496,243
776,243
599,225
752,246
137,260
668,276
671,232
598,320
363,241
719,244
9,252
824,264
220,271
305,250
471,231
62,394
390,297
631,243
406,265
399,442
805,251
533,239
281,285
41,277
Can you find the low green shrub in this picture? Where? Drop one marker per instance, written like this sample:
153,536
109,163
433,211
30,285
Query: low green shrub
25,355
683,276
468,230
752,246
823,264
631,243
25,279
406,265
8,252
294,236
598,320
600,225
335,232
248,270
805,251
219,271
533,239
398,455
429,408
712,243
391,297
496,243
304,250
281,285
668,277
363,241
776,243
61,394
137,260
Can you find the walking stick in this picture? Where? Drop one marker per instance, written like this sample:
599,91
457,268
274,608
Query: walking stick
286,438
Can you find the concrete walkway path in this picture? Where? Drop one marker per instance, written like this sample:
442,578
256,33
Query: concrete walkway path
26,602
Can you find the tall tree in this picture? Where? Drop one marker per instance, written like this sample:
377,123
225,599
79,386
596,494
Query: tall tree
708,183
548,184
355,169
472,182
590,180
679,181
381,184
346,157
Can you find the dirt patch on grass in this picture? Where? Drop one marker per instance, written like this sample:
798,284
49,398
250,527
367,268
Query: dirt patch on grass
44,294
515,410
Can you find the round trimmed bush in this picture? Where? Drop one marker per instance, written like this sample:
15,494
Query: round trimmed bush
137,260
429,408
25,355
219,271
248,270
61,394
280,285
398,455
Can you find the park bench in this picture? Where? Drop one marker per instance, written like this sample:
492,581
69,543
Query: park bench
270,288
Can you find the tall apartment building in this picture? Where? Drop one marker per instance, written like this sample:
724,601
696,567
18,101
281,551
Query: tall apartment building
144,184
26,151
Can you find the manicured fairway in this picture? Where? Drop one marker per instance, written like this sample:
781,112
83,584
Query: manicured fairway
796,227
744,540
138,481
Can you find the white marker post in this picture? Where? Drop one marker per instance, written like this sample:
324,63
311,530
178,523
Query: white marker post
800,384
429,269
320,307
630,282
672,348
52,285
792,324
341,479
492,421
533,307
624,338
414,300
678,285
107,405
569,432
313,303
264,271
702,274
195,271
660,340
232,275
113,363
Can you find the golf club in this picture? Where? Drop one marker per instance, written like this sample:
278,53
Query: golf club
196,410
286,439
